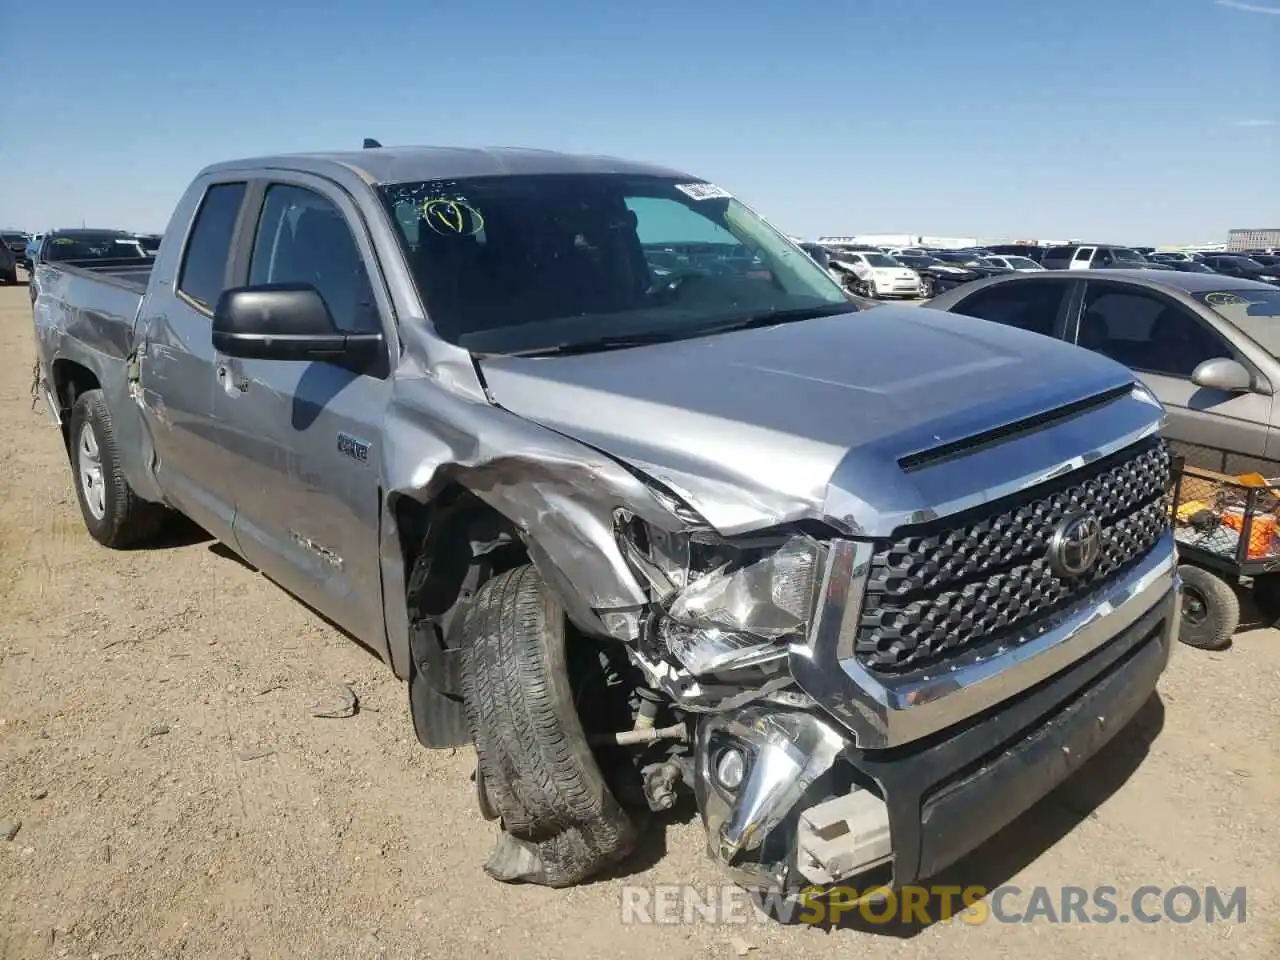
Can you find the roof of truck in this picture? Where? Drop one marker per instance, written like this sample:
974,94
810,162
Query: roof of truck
401,164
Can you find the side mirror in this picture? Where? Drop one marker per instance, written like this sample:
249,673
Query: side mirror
1223,374
287,321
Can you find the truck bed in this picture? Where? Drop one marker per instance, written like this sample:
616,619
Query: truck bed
131,272
91,304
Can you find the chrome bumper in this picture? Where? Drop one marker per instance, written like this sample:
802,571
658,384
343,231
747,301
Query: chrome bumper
883,711
789,820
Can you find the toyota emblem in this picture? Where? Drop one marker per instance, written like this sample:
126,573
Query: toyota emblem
1075,546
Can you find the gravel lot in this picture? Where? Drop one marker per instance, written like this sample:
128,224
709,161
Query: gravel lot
177,798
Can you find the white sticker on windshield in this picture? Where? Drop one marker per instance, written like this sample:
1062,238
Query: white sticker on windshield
702,191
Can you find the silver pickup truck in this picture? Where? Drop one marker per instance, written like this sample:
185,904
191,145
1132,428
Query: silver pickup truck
614,476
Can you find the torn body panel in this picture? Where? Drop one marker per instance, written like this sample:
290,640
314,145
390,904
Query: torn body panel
559,494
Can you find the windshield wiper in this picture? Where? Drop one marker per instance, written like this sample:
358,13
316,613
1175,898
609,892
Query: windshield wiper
622,341
598,344
772,317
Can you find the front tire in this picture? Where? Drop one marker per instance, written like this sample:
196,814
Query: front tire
114,515
561,822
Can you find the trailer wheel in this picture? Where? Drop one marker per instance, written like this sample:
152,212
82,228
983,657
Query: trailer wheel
114,515
1210,609
561,823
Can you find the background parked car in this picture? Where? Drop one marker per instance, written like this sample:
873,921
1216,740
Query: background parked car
972,262
16,242
1032,251
1246,268
880,275
936,275
1014,263
1208,347
1096,256
8,265
32,252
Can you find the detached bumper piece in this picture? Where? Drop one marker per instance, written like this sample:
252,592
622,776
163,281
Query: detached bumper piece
789,802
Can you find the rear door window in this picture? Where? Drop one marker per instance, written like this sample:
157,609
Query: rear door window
1039,306
204,263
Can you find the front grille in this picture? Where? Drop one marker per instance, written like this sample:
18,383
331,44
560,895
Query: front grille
942,589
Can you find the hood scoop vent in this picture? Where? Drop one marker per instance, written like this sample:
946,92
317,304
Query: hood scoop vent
1010,431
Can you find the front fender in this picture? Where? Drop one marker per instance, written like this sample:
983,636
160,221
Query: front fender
559,494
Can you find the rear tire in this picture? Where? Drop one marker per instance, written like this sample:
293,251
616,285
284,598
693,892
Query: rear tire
114,515
1210,609
561,822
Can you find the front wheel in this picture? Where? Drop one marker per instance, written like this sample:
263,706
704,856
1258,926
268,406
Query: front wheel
114,515
561,823
926,288
1210,609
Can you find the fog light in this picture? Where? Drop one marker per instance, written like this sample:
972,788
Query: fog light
731,768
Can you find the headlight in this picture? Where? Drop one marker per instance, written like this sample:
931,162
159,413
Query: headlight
725,605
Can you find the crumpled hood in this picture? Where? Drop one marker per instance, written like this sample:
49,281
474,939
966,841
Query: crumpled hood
762,426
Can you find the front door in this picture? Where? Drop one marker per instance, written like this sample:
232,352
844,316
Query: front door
1163,342
305,454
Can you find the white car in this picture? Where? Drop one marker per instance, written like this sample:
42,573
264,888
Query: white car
1017,264
879,274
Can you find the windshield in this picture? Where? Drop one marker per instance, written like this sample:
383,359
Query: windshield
13,237
149,244
1023,263
522,263
1255,312
881,260
92,246
1132,256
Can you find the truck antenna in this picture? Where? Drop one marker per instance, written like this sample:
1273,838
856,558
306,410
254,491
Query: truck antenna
371,144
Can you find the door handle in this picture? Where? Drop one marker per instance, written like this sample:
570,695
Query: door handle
239,383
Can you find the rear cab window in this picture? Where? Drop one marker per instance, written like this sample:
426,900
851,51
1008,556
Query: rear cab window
202,276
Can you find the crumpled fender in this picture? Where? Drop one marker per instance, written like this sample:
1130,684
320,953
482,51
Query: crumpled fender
559,494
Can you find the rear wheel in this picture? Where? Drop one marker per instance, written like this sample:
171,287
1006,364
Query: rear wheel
561,822
1210,609
114,515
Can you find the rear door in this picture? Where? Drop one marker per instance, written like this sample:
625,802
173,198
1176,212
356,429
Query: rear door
1082,258
303,454
1043,305
176,361
1163,341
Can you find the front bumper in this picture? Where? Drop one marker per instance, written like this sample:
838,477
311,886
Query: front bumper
940,796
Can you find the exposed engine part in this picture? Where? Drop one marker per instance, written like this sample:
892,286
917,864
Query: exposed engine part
660,780
627,738
647,712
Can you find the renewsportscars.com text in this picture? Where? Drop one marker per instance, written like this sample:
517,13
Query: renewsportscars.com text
973,905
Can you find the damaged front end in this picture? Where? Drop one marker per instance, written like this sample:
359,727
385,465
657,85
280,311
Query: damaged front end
717,640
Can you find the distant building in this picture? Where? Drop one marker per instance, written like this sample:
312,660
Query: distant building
1253,239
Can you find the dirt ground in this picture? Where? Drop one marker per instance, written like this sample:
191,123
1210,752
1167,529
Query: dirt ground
178,799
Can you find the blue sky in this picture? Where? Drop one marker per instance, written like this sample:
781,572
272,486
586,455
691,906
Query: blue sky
1143,121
